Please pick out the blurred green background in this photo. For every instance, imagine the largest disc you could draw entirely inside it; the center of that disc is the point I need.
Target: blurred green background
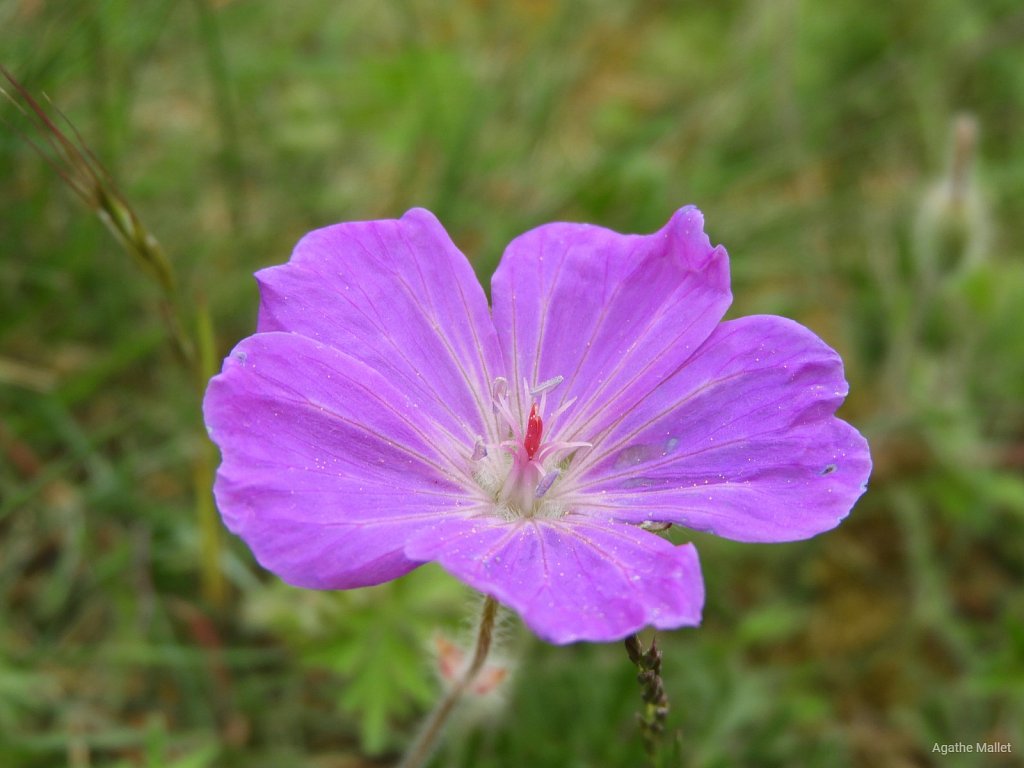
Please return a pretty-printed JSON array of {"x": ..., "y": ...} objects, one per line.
[{"x": 862, "y": 162}]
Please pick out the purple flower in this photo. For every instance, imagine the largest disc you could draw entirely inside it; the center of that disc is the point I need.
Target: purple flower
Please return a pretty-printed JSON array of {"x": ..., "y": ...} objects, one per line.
[{"x": 382, "y": 417}]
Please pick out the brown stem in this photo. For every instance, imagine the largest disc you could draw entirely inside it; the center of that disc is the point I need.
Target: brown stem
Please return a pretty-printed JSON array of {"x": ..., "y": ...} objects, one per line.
[
  {"x": 423, "y": 746},
  {"x": 655, "y": 710}
]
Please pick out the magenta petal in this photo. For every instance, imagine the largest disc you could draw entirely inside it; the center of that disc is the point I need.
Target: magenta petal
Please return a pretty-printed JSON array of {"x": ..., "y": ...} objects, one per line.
[
  {"x": 402, "y": 298},
  {"x": 327, "y": 466},
  {"x": 571, "y": 578},
  {"x": 740, "y": 442},
  {"x": 613, "y": 314},
  {"x": 366, "y": 428}
]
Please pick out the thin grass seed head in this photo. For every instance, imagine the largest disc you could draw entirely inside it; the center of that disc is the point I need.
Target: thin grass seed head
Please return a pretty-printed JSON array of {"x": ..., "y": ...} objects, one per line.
[{"x": 85, "y": 176}]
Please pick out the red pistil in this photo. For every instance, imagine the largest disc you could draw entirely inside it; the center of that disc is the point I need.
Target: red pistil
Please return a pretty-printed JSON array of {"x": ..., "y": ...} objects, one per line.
[{"x": 534, "y": 427}]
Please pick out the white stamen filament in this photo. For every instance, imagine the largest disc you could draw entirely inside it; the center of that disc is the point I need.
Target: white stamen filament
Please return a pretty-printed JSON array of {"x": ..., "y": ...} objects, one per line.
[{"x": 520, "y": 469}]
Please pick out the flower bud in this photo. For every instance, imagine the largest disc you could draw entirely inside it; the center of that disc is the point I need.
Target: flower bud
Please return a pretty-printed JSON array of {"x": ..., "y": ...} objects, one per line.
[{"x": 952, "y": 230}]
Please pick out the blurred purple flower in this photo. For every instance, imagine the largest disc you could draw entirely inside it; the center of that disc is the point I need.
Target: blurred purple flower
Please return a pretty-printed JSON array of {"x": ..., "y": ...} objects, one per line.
[{"x": 381, "y": 417}]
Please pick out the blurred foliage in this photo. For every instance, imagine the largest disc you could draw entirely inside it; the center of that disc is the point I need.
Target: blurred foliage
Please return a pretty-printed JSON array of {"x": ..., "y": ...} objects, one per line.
[{"x": 821, "y": 141}]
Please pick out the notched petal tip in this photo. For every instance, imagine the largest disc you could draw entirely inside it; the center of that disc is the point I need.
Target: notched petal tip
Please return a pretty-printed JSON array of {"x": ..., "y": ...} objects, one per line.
[
  {"x": 754, "y": 452},
  {"x": 692, "y": 245},
  {"x": 398, "y": 295},
  {"x": 571, "y": 580},
  {"x": 326, "y": 465},
  {"x": 422, "y": 216}
]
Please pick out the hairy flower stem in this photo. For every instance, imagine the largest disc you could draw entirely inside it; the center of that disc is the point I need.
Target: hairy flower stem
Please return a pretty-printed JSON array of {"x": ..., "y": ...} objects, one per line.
[
  {"x": 423, "y": 746},
  {"x": 655, "y": 710}
]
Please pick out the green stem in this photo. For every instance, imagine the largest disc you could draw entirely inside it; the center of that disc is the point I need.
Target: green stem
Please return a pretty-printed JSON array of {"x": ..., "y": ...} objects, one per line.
[
  {"x": 212, "y": 575},
  {"x": 423, "y": 746}
]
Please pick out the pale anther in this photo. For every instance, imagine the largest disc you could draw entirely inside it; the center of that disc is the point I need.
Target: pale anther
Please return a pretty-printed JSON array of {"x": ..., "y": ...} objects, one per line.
[
  {"x": 499, "y": 390},
  {"x": 546, "y": 386},
  {"x": 479, "y": 450},
  {"x": 546, "y": 482}
]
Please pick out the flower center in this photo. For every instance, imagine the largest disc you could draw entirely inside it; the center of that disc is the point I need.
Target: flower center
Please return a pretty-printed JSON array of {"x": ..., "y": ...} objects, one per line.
[{"x": 519, "y": 471}]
